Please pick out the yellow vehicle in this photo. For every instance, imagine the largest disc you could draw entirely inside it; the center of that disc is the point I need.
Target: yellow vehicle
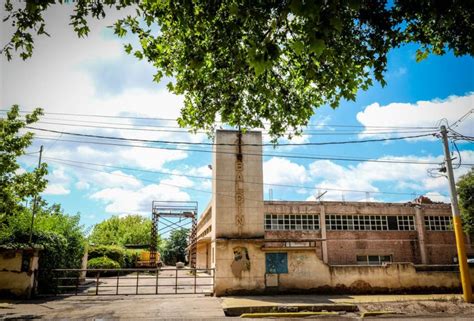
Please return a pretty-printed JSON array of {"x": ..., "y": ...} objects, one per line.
[{"x": 144, "y": 260}]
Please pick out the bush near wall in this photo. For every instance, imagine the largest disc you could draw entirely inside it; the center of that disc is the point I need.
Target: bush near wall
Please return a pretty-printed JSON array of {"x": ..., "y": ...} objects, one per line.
[
  {"x": 102, "y": 263},
  {"x": 124, "y": 258},
  {"x": 57, "y": 252},
  {"x": 113, "y": 252}
]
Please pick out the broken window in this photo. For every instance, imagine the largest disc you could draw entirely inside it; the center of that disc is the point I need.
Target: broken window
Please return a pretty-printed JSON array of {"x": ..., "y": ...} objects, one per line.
[{"x": 285, "y": 222}]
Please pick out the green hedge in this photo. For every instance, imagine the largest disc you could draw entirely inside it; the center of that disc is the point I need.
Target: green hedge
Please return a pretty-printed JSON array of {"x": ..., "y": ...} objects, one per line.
[
  {"x": 113, "y": 252},
  {"x": 125, "y": 258},
  {"x": 102, "y": 263}
]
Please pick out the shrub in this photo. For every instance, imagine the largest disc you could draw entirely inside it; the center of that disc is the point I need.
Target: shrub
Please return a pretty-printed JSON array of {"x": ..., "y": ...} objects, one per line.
[
  {"x": 102, "y": 263},
  {"x": 131, "y": 258},
  {"x": 57, "y": 252},
  {"x": 113, "y": 252}
]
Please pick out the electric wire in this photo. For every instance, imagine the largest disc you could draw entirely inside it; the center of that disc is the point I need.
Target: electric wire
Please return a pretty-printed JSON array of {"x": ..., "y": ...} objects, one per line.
[
  {"x": 174, "y": 120},
  {"x": 222, "y": 179},
  {"x": 307, "y": 156},
  {"x": 166, "y": 129},
  {"x": 230, "y": 144}
]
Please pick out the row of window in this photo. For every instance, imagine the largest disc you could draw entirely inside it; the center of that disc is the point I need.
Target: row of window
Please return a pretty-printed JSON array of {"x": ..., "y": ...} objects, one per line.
[
  {"x": 309, "y": 222},
  {"x": 373, "y": 259},
  {"x": 438, "y": 223},
  {"x": 278, "y": 222},
  {"x": 370, "y": 223}
]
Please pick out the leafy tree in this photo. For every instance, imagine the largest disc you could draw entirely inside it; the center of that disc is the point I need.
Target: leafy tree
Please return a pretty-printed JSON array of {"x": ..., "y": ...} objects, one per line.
[
  {"x": 60, "y": 236},
  {"x": 16, "y": 186},
  {"x": 251, "y": 62},
  {"x": 131, "y": 229},
  {"x": 175, "y": 248},
  {"x": 465, "y": 189}
]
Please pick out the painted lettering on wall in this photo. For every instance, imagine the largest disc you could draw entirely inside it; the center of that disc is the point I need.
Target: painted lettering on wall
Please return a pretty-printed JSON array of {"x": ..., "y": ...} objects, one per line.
[{"x": 239, "y": 188}]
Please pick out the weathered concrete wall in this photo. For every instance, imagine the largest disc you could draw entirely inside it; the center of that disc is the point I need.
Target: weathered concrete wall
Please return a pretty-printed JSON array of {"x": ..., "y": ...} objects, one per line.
[
  {"x": 237, "y": 208},
  {"x": 203, "y": 255},
  {"x": 246, "y": 274},
  {"x": 14, "y": 282},
  {"x": 308, "y": 273}
]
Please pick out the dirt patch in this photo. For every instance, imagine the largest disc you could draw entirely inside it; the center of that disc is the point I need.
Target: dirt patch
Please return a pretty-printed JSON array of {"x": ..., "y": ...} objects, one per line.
[{"x": 422, "y": 308}]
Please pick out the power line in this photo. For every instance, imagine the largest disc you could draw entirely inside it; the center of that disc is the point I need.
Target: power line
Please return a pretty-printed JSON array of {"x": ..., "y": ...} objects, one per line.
[
  {"x": 228, "y": 144},
  {"x": 311, "y": 157},
  {"x": 172, "y": 129},
  {"x": 220, "y": 179},
  {"x": 174, "y": 120},
  {"x": 462, "y": 118}
]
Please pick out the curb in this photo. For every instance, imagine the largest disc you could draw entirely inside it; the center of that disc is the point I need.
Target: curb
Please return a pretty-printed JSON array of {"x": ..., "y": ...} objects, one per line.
[
  {"x": 286, "y": 314},
  {"x": 376, "y": 313},
  {"x": 279, "y": 309}
]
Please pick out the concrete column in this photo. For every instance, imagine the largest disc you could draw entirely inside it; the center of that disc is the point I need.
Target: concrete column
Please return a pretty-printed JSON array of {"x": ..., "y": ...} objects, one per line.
[
  {"x": 322, "y": 226},
  {"x": 420, "y": 229}
]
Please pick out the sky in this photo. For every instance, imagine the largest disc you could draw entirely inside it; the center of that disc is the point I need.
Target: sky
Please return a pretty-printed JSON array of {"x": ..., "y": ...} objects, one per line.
[{"x": 95, "y": 76}]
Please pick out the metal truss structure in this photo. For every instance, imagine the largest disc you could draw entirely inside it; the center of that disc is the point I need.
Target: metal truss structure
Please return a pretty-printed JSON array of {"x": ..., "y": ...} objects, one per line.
[{"x": 173, "y": 215}]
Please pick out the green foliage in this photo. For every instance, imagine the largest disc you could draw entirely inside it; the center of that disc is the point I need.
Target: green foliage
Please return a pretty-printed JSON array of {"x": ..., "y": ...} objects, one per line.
[
  {"x": 102, "y": 263},
  {"x": 17, "y": 186},
  {"x": 59, "y": 235},
  {"x": 265, "y": 61},
  {"x": 112, "y": 252},
  {"x": 125, "y": 258},
  {"x": 131, "y": 229},
  {"x": 465, "y": 189},
  {"x": 130, "y": 258},
  {"x": 175, "y": 248}
]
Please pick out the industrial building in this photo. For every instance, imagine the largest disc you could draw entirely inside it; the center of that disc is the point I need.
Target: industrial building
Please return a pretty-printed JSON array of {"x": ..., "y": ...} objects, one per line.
[{"x": 256, "y": 245}]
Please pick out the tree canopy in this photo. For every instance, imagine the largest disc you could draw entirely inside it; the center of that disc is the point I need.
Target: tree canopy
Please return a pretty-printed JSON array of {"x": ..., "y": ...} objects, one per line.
[
  {"x": 175, "y": 246},
  {"x": 130, "y": 229},
  {"x": 17, "y": 185},
  {"x": 265, "y": 63},
  {"x": 465, "y": 189}
]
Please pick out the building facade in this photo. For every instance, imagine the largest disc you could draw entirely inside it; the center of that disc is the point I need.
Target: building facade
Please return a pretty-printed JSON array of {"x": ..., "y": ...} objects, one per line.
[{"x": 256, "y": 245}]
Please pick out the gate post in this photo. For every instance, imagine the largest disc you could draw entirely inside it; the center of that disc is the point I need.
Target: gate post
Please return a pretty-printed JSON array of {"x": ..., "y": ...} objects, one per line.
[
  {"x": 195, "y": 275},
  {"x": 97, "y": 283},
  {"x": 176, "y": 282}
]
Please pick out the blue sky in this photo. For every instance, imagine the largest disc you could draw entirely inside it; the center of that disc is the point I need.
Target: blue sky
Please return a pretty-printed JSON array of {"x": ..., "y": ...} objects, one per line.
[{"x": 95, "y": 76}]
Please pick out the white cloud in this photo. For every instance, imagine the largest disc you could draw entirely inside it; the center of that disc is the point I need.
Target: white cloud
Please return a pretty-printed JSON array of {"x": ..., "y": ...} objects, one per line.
[
  {"x": 56, "y": 189},
  {"x": 117, "y": 179},
  {"x": 279, "y": 170},
  {"x": 81, "y": 185},
  {"x": 179, "y": 181},
  {"x": 437, "y": 197},
  {"x": 120, "y": 200},
  {"x": 422, "y": 113},
  {"x": 363, "y": 176},
  {"x": 150, "y": 158},
  {"x": 203, "y": 171},
  {"x": 58, "y": 182}
]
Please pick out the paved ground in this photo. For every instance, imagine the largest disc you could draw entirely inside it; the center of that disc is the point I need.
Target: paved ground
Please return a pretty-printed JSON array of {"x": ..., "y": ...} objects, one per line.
[
  {"x": 181, "y": 307},
  {"x": 200, "y": 307}
]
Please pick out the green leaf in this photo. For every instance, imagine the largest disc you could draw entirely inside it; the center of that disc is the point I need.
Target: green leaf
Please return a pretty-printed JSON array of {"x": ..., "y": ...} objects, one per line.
[
  {"x": 298, "y": 46},
  {"x": 336, "y": 23},
  {"x": 128, "y": 48},
  {"x": 421, "y": 55},
  {"x": 317, "y": 46}
]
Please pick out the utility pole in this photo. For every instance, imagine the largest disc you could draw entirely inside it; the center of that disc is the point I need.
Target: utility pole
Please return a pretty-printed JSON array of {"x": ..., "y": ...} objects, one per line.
[
  {"x": 35, "y": 200},
  {"x": 462, "y": 259}
]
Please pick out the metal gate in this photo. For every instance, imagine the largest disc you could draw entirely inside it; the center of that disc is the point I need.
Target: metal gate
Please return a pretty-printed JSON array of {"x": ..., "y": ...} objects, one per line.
[{"x": 126, "y": 281}]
